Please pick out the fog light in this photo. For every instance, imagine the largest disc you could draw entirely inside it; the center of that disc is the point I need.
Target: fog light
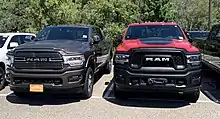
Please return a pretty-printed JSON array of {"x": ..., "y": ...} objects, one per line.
[
  {"x": 25, "y": 81},
  {"x": 196, "y": 80},
  {"x": 135, "y": 82},
  {"x": 143, "y": 83},
  {"x": 134, "y": 65},
  {"x": 75, "y": 78},
  {"x": 180, "y": 66},
  {"x": 57, "y": 81},
  {"x": 180, "y": 82},
  {"x": 17, "y": 81}
]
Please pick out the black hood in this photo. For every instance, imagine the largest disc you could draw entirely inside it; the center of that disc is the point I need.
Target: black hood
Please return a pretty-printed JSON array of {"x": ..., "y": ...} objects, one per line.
[
  {"x": 156, "y": 40},
  {"x": 67, "y": 45}
]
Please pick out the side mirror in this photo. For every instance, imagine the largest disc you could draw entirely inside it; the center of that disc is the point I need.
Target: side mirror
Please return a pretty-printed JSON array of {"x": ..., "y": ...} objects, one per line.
[
  {"x": 119, "y": 38},
  {"x": 97, "y": 38},
  {"x": 189, "y": 37},
  {"x": 13, "y": 45},
  {"x": 32, "y": 37}
]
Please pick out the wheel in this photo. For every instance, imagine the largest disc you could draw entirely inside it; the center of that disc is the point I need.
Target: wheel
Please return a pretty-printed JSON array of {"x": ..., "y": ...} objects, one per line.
[
  {"x": 2, "y": 78},
  {"x": 119, "y": 94},
  {"x": 192, "y": 96},
  {"x": 108, "y": 67},
  {"x": 88, "y": 85}
]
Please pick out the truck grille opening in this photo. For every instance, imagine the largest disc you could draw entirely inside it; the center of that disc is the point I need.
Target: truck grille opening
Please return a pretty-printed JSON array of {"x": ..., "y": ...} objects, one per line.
[
  {"x": 144, "y": 58},
  {"x": 23, "y": 80},
  {"x": 38, "y": 60}
]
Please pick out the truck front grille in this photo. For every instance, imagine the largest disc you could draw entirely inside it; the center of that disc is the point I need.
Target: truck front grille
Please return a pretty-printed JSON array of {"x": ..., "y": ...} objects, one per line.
[
  {"x": 156, "y": 58},
  {"x": 38, "y": 60}
]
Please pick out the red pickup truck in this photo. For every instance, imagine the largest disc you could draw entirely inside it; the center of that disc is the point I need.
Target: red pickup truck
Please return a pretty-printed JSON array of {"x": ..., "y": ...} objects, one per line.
[{"x": 157, "y": 57}]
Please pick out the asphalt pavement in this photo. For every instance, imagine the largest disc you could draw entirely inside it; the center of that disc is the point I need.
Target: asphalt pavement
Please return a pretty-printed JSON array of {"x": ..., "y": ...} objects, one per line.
[{"x": 103, "y": 105}]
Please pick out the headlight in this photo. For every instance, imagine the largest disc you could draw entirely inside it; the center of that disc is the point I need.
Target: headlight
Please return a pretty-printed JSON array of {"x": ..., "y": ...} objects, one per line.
[
  {"x": 74, "y": 60},
  {"x": 10, "y": 60},
  {"x": 121, "y": 58},
  {"x": 194, "y": 60}
]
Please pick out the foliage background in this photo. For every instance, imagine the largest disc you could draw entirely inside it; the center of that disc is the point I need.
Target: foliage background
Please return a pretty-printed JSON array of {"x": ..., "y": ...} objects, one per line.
[{"x": 111, "y": 15}]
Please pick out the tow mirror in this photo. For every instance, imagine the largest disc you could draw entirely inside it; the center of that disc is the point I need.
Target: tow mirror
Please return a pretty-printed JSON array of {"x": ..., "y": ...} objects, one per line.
[
  {"x": 189, "y": 37},
  {"x": 97, "y": 38},
  {"x": 13, "y": 45},
  {"x": 32, "y": 37}
]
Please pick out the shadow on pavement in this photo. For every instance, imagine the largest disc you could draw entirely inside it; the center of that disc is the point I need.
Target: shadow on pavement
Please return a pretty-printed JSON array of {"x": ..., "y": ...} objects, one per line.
[
  {"x": 49, "y": 99},
  {"x": 149, "y": 100},
  {"x": 40, "y": 100},
  {"x": 211, "y": 84}
]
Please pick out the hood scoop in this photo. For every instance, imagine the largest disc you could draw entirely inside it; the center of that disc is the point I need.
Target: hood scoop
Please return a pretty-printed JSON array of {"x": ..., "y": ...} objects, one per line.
[{"x": 156, "y": 41}]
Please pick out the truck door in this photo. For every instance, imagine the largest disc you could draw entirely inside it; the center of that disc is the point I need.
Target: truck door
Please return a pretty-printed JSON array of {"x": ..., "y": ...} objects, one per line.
[
  {"x": 212, "y": 47},
  {"x": 104, "y": 46},
  {"x": 97, "y": 47}
]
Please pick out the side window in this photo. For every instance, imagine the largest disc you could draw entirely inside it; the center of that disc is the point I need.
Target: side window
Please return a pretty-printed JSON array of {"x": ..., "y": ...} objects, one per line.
[
  {"x": 25, "y": 38},
  {"x": 213, "y": 33},
  {"x": 94, "y": 32}
]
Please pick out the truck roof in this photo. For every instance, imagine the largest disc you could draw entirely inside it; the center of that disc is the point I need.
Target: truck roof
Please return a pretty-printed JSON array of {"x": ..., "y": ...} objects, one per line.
[
  {"x": 8, "y": 34},
  {"x": 74, "y": 25},
  {"x": 153, "y": 23}
]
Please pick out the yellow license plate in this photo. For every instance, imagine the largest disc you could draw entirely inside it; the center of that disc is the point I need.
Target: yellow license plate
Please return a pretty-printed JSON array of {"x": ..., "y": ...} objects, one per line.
[{"x": 36, "y": 88}]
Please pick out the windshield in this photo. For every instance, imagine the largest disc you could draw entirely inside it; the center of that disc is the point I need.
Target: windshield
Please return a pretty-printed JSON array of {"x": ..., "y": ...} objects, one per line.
[
  {"x": 198, "y": 34},
  {"x": 2, "y": 40},
  {"x": 149, "y": 31},
  {"x": 63, "y": 33}
]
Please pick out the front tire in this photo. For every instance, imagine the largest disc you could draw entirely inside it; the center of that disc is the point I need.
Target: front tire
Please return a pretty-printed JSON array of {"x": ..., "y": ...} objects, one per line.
[
  {"x": 192, "y": 96},
  {"x": 2, "y": 78},
  {"x": 88, "y": 85},
  {"x": 108, "y": 67}
]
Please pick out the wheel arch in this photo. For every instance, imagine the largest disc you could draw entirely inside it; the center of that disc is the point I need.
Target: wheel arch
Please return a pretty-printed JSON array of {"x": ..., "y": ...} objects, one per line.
[{"x": 91, "y": 62}]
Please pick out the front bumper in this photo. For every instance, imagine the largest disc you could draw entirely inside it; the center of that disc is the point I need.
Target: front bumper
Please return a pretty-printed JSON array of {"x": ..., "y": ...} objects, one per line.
[
  {"x": 66, "y": 82},
  {"x": 128, "y": 81}
]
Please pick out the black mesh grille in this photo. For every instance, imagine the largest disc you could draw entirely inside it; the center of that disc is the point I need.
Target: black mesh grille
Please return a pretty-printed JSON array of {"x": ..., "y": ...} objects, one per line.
[
  {"x": 21, "y": 61},
  {"x": 138, "y": 58}
]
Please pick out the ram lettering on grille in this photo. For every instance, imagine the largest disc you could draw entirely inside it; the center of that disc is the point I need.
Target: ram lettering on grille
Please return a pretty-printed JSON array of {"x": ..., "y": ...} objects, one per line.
[{"x": 158, "y": 59}]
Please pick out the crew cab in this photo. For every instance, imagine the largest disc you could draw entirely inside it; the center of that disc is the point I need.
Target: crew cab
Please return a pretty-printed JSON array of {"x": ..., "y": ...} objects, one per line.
[
  {"x": 156, "y": 57},
  {"x": 197, "y": 38},
  {"x": 210, "y": 49},
  {"x": 61, "y": 59},
  {"x": 8, "y": 41}
]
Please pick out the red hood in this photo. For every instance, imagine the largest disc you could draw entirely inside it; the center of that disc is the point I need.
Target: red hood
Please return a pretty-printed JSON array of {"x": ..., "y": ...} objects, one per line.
[{"x": 126, "y": 45}]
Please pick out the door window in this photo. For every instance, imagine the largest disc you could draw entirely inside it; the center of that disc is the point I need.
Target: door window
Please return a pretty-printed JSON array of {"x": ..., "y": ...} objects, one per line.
[
  {"x": 20, "y": 39},
  {"x": 214, "y": 32},
  {"x": 25, "y": 38}
]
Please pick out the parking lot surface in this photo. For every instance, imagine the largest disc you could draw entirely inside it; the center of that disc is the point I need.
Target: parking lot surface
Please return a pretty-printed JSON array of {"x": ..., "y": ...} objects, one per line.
[{"x": 103, "y": 105}]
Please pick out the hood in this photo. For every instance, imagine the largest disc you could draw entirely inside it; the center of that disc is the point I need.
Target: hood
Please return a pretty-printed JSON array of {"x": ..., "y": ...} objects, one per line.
[
  {"x": 66, "y": 45},
  {"x": 126, "y": 45}
]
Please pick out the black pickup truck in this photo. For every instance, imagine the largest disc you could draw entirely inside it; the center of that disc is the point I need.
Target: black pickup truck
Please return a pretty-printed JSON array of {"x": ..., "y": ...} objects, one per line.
[
  {"x": 210, "y": 48},
  {"x": 62, "y": 59}
]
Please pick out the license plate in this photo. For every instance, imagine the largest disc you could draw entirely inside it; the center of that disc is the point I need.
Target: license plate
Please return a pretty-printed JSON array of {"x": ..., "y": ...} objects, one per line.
[{"x": 36, "y": 88}]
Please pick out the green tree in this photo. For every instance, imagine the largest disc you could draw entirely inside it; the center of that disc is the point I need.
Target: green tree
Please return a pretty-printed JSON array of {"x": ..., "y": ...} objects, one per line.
[{"x": 13, "y": 15}]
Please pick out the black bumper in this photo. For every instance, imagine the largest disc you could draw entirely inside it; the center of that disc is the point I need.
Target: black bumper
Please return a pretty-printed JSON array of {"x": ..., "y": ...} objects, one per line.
[
  {"x": 127, "y": 81},
  {"x": 66, "y": 82}
]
